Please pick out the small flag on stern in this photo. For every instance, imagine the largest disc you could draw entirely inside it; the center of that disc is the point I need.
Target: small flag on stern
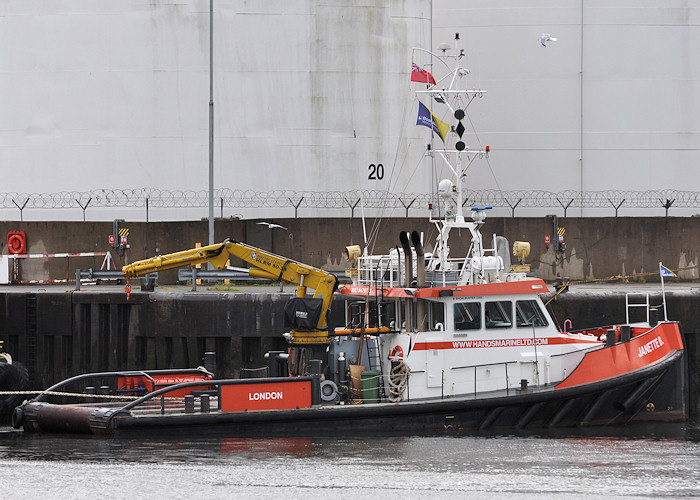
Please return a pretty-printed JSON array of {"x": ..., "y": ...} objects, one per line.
[
  {"x": 420, "y": 75},
  {"x": 666, "y": 272},
  {"x": 427, "y": 119}
]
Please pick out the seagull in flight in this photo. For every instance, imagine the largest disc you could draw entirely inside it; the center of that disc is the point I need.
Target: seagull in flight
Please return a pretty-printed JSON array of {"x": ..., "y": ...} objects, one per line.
[
  {"x": 546, "y": 37},
  {"x": 272, "y": 226}
]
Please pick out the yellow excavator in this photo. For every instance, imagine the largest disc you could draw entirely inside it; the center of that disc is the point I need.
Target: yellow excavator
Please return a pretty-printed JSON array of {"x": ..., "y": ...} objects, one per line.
[{"x": 306, "y": 315}]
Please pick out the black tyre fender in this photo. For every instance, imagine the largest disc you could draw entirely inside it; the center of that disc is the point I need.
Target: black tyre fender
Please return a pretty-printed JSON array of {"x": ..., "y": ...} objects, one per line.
[{"x": 13, "y": 377}]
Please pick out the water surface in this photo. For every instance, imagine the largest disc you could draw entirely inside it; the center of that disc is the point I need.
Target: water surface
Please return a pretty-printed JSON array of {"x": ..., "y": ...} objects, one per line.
[{"x": 643, "y": 462}]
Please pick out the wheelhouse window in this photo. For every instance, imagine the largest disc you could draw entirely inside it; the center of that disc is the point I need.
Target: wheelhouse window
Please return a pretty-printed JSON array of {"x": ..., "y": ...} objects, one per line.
[
  {"x": 436, "y": 315},
  {"x": 467, "y": 315},
  {"x": 528, "y": 313},
  {"x": 498, "y": 314}
]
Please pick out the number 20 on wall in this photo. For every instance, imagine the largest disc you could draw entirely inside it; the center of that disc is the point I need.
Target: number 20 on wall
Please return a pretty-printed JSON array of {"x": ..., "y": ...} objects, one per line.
[{"x": 376, "y": 172}]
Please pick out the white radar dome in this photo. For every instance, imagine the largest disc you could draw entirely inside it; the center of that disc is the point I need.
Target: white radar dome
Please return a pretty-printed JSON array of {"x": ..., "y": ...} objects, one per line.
[{"x": 445, "y": 188}]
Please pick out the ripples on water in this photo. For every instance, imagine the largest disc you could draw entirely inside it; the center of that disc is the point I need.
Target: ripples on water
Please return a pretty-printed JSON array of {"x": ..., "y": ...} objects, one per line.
[{"x": 653, "y": 461}]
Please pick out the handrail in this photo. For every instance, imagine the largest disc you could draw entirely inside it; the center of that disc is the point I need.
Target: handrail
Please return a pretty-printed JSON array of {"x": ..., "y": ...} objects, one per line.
[
  {"x": 485, "y": 364},
  {"x": 628, "y": 305},
  {"x": 130, "y": 373},
  {"x": 371, "y": 267},
  {"x": 475, "y": 367}
]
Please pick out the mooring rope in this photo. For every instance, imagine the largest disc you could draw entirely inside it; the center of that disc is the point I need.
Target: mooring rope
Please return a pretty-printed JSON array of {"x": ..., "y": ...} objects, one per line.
[
  {"x": 398, "y": 380},
  {"x": 566, "y": 284}
]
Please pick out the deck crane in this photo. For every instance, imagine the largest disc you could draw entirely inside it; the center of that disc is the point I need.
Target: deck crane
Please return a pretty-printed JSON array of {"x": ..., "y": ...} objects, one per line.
[{"x": 306, "y": 315}]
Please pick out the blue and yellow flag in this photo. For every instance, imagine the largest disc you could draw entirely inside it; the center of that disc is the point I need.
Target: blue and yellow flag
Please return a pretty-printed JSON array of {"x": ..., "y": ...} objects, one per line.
[
  {"x": 666, "y": 272},
  {"x": 427, "y": 118}
]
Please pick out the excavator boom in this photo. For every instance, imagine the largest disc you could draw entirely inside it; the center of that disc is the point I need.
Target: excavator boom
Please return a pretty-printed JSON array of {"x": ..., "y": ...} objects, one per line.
[
  {"x": 268, "y": 266},
  {"x": 202, "y": 255}
]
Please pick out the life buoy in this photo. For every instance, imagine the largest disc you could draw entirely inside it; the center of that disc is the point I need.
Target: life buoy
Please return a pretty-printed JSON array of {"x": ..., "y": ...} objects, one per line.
[
  {"x": 16, "y": 243},
  {"x": 396, "y": 353}
]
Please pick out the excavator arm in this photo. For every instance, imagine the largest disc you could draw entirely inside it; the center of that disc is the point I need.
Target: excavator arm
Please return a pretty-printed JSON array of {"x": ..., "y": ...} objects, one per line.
[{"x": 267, "y": 265}]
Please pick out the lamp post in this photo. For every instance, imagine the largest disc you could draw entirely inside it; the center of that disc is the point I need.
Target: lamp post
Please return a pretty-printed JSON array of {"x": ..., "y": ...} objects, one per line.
[{"x": 211, "y": 122}]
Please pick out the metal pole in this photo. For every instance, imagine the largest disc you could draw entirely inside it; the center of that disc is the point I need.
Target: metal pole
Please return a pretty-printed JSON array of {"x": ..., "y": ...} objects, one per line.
[
  {"x": 663, "y": 291},
  {"x": 581, "y": 106},
  {"x": 211, "y": 123}
]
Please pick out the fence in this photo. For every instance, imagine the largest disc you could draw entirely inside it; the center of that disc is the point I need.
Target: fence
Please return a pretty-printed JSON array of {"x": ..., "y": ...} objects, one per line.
[{"x": 348, "y": 200}]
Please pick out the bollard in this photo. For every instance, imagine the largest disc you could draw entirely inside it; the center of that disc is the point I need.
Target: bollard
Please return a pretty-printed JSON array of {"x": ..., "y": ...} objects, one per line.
[
  {"x": 204, "y": 406},
  {"x": 89, "y": 390},
  {"x": 625, "y": 333},
  {"x": 315, "y": 372},
  {"x": 610, "y": 337},
  {"x": 274, "y": 365},
  {"x": 523, "y": 384},
  {"x": 189, "y": 403},
  {"x": 653, "y": 317},
  {"x": 210, "y": 362}
]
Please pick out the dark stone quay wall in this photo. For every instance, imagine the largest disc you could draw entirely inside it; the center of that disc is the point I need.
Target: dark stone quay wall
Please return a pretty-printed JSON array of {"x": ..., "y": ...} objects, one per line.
[{"x": 58, "y": 334}]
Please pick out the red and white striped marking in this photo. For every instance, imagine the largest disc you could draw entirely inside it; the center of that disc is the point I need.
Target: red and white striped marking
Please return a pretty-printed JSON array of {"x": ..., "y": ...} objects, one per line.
[
  {"x": 45, "y": 255},
  {"x": 43, "y": 282}
]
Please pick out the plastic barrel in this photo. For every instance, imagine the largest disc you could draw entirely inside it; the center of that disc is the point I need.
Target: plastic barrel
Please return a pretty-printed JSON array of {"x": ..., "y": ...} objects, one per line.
[{"x": 370, "y": 386}]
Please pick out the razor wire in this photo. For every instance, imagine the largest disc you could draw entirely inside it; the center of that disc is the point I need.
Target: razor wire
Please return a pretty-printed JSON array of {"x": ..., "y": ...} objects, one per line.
[{"x": 246, "y": 198}]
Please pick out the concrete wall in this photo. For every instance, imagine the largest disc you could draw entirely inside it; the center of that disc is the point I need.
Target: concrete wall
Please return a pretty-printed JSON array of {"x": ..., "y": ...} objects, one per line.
[
  {"x": 595, "y": 247},
  {"x": 577, "y": 114},
  {"x": 309, "y": 94},
  {"x": 299, "y": 88}
]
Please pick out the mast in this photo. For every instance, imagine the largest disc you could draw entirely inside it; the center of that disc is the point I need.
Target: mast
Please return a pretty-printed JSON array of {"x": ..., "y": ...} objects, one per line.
[{"x": 451, "y": 91}]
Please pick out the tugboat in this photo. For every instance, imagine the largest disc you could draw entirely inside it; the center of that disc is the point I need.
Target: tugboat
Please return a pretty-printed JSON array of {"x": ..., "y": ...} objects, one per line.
[{"x": 431, "y": 343}]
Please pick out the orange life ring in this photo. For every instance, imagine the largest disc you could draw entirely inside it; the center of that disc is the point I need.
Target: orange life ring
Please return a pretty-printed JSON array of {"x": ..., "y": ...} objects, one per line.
[
  {"x": 16, "y": 243},
  {"x": 396, "y": 353}
]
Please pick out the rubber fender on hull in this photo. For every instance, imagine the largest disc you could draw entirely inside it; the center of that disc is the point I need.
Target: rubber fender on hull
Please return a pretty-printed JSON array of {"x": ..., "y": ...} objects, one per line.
[
  {"x": 38, "y": 416},
  {"x": 45, "y": 417},
  {"x": 13, "y": 377}
]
